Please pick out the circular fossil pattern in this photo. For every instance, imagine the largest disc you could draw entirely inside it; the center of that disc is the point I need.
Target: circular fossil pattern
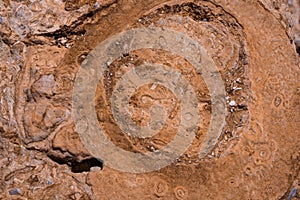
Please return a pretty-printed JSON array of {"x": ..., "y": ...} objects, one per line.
[
  {"x": 181, "y": 192},
  {"x": 91, "y": 71},
  {"x": 160, "y": 187},
  {"x": 247, "y": 149},
  {"x": 202, "y": 118}
]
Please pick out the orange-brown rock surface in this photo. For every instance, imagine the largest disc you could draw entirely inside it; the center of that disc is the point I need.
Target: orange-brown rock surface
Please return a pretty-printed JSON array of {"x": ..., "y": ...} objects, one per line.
[{"x": 250, "y": 45}]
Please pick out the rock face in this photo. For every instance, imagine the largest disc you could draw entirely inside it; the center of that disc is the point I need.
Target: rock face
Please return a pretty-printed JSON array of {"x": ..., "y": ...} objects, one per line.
[{"x": 251, "y": 46}]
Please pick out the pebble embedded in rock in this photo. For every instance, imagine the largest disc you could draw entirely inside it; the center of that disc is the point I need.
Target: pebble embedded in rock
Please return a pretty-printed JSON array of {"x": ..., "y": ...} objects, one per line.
[
  {"x": 232, "y": 103},
  {"x": 14, "y": 191}
]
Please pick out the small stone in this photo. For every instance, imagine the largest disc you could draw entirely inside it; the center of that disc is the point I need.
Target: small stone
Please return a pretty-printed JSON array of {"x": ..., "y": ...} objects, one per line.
[
  {"x": 49, "y": 182},
  {"x": 152, "y": 148},
  {"x": 232, "y": 103},
  {"x": 108, "y": 63},
  {"x": 292, "y": 193},
  {"x": 239, "y": 80},
  {"x": 96, "y": 5},
  {"x": 15, "y": 191},
  {"x": 95, "y": 169},
  {"x": 2, "y": 20},
  {"x": 63, "y": 40}
]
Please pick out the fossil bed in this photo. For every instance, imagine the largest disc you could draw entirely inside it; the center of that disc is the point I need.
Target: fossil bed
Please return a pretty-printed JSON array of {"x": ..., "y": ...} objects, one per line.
[{"x": 253, "y": 44}]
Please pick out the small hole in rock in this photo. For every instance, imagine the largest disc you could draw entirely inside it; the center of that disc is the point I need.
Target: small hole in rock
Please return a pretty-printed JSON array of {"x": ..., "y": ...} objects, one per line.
[
  {"x": 78, "y": 166},
  {"x": 86, "y": 165},
  {"x": 297, "y": 44},
  {"x": 298, "y": 49}
]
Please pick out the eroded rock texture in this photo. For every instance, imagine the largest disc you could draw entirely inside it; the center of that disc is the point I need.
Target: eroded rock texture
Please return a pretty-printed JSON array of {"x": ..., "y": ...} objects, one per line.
[{"x": 254, "y": 46}]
